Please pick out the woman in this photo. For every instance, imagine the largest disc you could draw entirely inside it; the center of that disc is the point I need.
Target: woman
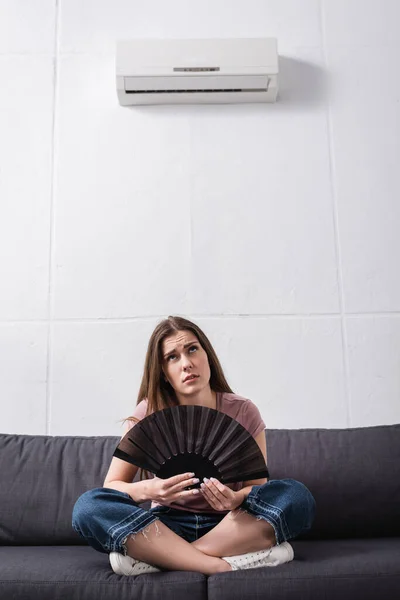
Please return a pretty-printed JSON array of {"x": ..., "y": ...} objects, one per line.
[{"x": 217, "y": 528}]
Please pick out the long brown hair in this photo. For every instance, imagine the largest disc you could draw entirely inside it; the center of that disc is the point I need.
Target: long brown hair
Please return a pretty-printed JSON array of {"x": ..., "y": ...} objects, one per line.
[{"x": 159, "y": 393}]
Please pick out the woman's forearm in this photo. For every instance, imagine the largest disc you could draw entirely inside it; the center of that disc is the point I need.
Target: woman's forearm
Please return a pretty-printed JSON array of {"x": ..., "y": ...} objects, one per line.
[{"x": 138, "y": 490}]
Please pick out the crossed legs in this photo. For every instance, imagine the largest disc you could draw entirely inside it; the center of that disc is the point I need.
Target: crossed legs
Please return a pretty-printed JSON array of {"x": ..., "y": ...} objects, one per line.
[{"x": 237, "y": 533}]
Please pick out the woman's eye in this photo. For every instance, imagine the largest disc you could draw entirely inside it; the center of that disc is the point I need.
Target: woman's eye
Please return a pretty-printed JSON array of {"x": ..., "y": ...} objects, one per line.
[{"x": 191, "y": 347}]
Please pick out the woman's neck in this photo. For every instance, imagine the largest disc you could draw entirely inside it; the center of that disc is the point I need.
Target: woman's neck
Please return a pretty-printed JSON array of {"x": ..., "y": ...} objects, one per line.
[{"x": 209, "y": 400}]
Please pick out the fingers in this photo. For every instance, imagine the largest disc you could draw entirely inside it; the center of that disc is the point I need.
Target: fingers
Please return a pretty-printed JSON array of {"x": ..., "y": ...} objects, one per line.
[
  {"x": 218, "y": 488},
  {"x": 212, "y": 490},
  {"x": 181, "y": 481},
  {"x": 173, "y": 487},
  {"x": 215, "y": 487},
  {"x": 176, "y": 480}
]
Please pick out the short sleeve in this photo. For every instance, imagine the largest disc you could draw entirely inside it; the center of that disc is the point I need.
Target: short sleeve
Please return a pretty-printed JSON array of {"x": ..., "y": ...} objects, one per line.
[
  {"x": 253, "y": 420},
  {"x": 139, "y": 413}
]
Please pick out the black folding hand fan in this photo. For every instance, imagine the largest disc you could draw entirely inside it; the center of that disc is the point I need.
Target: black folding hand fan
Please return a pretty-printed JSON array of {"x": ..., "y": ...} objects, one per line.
[{"x": 193, "y": 439}]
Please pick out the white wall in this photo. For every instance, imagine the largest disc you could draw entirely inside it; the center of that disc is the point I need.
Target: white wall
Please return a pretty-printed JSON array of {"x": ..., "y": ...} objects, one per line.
[{"x": 274, "y": 227}]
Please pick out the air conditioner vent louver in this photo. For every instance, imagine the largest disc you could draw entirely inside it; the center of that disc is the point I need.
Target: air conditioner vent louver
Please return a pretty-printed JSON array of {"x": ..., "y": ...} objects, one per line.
[{"x": 191, "y": 91}]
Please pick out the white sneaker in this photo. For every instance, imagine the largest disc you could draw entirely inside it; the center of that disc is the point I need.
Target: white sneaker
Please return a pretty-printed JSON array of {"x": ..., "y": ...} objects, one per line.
[
  {"x": 272, "y": 557},
  {"x": 126, "y": 565}
]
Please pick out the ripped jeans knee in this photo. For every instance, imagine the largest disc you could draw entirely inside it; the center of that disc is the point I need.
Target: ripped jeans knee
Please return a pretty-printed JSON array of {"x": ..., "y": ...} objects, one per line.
[
  {"x": 238, "y": 511},
  {"x": 143, "y": 531}
]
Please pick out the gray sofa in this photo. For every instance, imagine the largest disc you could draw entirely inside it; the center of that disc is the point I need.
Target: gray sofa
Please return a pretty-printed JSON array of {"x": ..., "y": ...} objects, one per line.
[{"x": 352, "y": 551}]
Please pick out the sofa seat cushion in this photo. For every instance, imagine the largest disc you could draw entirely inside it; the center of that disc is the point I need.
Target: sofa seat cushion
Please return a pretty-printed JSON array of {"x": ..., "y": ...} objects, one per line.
[
  {"x": 331, "y": 569},
  {"x": 328, "y": 569},
  {"x": 77, "y": 572}
]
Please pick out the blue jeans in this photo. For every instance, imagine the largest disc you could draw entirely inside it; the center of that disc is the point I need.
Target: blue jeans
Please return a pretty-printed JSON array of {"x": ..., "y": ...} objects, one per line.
[{"x": 105, "y": 518}]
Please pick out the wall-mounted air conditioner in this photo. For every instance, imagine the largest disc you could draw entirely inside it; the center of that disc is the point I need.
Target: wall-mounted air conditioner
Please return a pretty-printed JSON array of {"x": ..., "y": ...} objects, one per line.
[{"x": 155, "y": 71}]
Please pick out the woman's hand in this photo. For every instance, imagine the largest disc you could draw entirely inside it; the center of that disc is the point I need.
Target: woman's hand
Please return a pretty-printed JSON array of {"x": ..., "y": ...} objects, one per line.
[
  {"x": 167, "y": 491},
  {"x": 219, "y": 495}
]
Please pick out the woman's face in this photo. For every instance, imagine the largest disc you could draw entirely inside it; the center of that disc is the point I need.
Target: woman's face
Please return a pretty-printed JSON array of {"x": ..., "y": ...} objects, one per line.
[{"x": 179, "y": 361}]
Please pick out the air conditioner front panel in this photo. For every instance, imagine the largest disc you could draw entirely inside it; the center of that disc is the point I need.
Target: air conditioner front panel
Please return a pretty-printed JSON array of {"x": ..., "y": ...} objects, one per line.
[
  {"x": 167, "y": 53},
  {"x": 197, "y": 71}
]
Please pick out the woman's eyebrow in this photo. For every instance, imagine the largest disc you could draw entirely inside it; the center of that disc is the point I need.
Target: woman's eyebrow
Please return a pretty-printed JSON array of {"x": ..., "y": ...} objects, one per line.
[{"x": 174, "y": 350}]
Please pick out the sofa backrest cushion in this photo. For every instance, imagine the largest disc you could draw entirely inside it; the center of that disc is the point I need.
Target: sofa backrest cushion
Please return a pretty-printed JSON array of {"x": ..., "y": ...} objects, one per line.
[{"x": 353, "y": 474}]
